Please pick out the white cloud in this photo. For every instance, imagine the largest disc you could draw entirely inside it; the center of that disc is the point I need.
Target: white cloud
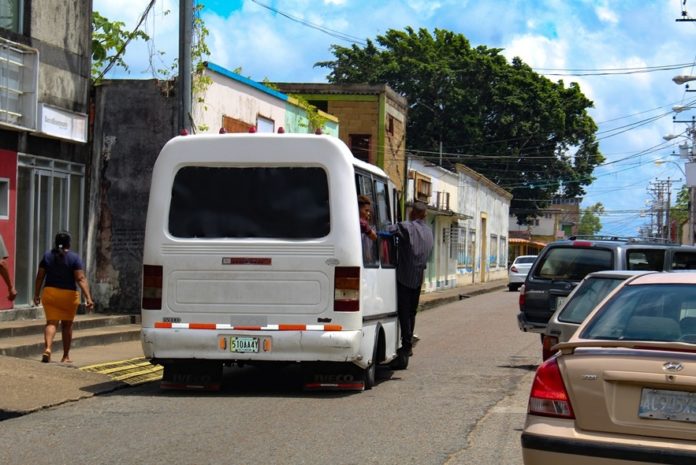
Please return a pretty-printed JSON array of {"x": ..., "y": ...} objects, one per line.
[
  {"x": 424, "y": 8},
  {"x": 537, "y": 51},
  {"x": 606, "y": 15},
  {"x": 560, "y": 34}
]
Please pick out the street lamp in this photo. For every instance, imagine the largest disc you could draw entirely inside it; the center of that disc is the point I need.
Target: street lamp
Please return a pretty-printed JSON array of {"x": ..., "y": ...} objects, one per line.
[
  {"x": 683, "y": 79},
  {"x": 680, "y": 108},
  {"x": 662, "y": 162}
]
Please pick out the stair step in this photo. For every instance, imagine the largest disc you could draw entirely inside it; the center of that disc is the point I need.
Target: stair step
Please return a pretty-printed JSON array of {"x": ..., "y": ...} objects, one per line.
[
  {"x": 17, "y": 328},
  {"x": 31, "y": 345}
]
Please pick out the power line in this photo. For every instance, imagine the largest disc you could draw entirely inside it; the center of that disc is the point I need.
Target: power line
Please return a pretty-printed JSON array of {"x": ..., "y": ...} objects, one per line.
[
  {"x": 325, "y": 30},
  {"x": 610, "y": 71}
]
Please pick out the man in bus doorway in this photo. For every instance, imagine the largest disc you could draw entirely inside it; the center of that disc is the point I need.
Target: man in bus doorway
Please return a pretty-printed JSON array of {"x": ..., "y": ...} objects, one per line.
[{"x": 415, "y": 246}]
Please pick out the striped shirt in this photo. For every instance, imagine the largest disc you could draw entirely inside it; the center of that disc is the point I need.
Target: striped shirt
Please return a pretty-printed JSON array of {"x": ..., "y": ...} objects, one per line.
[{"x": 415, "y": 245}]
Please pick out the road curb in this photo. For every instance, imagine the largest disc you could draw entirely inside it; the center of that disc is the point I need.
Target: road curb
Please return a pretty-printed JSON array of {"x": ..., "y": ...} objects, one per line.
[{"x": 463, "y": 293}]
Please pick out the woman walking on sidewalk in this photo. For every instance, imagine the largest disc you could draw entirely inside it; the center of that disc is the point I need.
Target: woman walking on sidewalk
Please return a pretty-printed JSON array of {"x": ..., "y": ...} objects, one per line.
[{"x": 63, "y": 272}]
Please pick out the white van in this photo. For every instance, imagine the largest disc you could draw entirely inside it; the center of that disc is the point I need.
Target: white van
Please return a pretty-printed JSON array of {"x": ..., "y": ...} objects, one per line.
[{"x": 253, "y": 254}]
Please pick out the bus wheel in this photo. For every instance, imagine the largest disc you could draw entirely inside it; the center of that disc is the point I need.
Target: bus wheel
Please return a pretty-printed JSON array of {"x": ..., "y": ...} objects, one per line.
[{"x": 370, "y": 372}]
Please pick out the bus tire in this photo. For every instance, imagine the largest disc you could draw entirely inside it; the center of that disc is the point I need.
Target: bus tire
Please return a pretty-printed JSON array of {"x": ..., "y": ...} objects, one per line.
[{"x": 370, "y": 373}]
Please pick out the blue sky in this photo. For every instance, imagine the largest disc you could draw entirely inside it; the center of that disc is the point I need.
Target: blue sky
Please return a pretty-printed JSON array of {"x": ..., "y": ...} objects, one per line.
[{"x": 584, "y": 41}]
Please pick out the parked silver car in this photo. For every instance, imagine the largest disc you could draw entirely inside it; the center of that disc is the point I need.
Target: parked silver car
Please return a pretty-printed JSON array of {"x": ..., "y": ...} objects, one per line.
[
  {"x": 573, "y": 309},
  {"x": 518, "y": 271}
]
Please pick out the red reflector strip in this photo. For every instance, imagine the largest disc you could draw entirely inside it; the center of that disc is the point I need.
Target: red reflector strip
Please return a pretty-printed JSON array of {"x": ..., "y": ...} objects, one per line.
[
  {"x": 202, "y": 326},
  {"x": 213, "y": 326},
  {"x": 292, "y": 327}
]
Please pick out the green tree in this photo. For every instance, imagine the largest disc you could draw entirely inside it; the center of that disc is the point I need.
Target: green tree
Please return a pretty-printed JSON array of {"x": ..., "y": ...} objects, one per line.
[
  {"x": 526, "y": 133},
  {"x": 109, "y": 41},
  {"x": 589, "y": 221},
  {"x": 679, "y": 213}
]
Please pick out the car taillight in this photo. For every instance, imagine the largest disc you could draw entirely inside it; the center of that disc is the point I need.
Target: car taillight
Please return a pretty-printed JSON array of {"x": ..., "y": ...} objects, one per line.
[
  {"x": 522, "y": 298},
  {"x": 513, "y": 268},
  {"x": 549, "y": 396},
  {"x": 152, "y": 287},
  {"x": 546, "y": 343},
  {"x": 347, "y": 289}
]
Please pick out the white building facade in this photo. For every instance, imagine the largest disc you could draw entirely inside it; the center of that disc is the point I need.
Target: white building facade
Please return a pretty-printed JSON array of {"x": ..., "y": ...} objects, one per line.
[
  {"x": 481, "y": 238},
  {"x": 468, "y": 215}
]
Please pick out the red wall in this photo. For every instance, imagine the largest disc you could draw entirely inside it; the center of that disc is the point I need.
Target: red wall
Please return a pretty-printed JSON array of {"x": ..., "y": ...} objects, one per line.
[{"x": 8, "y": 169}]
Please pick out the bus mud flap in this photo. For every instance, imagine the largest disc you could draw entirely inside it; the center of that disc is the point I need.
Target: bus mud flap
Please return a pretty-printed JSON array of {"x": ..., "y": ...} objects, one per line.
[
  {"x": 198, "y": 375},
  {"x": 333, "y": 377}
]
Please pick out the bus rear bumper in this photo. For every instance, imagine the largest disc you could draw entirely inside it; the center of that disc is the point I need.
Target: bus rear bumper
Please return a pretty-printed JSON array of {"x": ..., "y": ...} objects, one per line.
[{"x": 269, "y": 346}]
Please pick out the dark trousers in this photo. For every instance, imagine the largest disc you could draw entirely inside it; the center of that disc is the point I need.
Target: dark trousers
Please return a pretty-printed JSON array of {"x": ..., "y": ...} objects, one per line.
[{"x": 407, "y": 306}]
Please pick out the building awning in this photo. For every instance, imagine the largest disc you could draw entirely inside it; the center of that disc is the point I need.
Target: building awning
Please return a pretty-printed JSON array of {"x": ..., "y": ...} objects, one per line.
[
  {"x": 526, "y": 241},
  {"x": 440, "y": 212}
]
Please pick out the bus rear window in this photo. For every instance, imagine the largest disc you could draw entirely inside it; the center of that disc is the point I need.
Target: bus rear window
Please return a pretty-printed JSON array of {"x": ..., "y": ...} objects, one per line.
[{"x": 226, "y": 202}]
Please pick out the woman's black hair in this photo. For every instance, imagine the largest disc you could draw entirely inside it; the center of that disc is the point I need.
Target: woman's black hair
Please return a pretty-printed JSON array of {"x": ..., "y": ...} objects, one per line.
[{"x": 62, "y": 241}]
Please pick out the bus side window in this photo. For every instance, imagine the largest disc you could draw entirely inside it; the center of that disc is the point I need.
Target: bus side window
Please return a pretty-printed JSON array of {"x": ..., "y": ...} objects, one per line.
[
  {"x": 366, "y": 186},
  {"x": 387, "y": 251}
]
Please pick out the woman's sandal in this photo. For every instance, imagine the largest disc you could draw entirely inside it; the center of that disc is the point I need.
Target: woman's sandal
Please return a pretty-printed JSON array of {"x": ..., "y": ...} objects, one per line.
[{"x": 46, "y": 357}]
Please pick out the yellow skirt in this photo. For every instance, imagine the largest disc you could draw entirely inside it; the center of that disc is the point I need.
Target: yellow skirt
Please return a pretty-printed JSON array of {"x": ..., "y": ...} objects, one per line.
[{"x": 60, "y": 304}]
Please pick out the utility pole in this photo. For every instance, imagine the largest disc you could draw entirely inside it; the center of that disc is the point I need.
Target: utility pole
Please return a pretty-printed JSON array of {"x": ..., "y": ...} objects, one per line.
[
  {"x": 686, "y": 152},
  {"x": 662, "y": 190},
  {"x": 185, "y": 40}
]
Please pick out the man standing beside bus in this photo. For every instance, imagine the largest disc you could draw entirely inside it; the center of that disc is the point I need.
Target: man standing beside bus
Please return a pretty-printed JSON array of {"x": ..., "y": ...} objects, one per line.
[{"x": 415, "y": 246}]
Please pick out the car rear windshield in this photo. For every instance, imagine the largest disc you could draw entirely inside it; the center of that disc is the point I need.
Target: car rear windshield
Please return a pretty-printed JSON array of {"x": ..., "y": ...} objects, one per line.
[
  {"x": 586, "y": 297},
  {"x": 525, "y": 259},
  {"x": 684, "y": 261},
  {"x": 645, "y": 259},
  {"x": 573, "y": 263},
  {"x": 258, "y": 202},
  {"x": 648, "y": 312}
]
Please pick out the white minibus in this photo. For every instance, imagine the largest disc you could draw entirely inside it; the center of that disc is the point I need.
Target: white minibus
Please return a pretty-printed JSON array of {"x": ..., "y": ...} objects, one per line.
[{"x": 253, "y": 254}]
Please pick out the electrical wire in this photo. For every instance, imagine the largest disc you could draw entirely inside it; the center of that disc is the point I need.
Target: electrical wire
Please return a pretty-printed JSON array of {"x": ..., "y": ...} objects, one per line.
[{"x": 332, "y": 32}]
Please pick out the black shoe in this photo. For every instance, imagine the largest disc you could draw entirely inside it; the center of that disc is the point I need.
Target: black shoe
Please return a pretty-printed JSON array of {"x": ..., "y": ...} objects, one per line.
[{"x": 401, "y": 360}]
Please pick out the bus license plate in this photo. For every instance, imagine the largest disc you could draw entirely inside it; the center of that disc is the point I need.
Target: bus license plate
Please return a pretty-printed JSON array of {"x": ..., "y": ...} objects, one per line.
[
  {"x": 244, "y": 344},
  {"x": 660, "y": 404}
]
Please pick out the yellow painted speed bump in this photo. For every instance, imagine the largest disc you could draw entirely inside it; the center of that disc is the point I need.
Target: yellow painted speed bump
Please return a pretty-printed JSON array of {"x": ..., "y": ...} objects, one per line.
[{"x": 133, "y": 371}]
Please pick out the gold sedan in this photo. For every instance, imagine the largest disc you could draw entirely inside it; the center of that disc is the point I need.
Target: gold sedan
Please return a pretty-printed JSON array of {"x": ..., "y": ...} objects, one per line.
[{"x": 622, "y": 390}]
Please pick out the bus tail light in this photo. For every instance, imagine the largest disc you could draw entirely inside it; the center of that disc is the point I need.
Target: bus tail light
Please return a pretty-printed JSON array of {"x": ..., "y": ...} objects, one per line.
[
  {"x": 152, "y": 287},
  {"x": 347, "y": 289}
]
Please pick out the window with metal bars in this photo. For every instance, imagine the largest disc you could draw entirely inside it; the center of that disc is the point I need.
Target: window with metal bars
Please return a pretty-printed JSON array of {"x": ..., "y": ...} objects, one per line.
[{"x": 18, "y": 84}]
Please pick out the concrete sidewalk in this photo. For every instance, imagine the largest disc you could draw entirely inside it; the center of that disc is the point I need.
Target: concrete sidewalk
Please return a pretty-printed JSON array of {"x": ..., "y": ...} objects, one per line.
[{"x": 27, "y": 385}]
